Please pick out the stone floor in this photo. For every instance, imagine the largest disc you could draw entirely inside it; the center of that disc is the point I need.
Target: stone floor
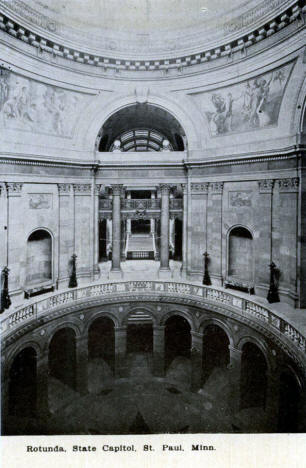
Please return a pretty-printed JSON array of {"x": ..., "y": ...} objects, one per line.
[{"x": 142, "y": 404}]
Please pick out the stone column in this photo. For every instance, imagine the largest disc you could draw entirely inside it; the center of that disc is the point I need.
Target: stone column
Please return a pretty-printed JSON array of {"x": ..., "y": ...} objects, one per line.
[
  {"x": 96, "y": 269},
  {"x": 128, "y": 221},
  {"x": 159, "y": 351},
  {"x": 185, "y": 207},
  {"x": 42, "y": 406},
  {"x": 82, "y": 365},
  {"x": 234, "y": 368},
  {"x": 214, "y": 234},
  {"x": 116, "y": 228},
  {"x": 196, "y": 360},
  {"x": 152, "y": 220},
  {"x": 264, "y": 241},
  {"x": 120, "y": 352},
  {"x": 164, "y": 271}
]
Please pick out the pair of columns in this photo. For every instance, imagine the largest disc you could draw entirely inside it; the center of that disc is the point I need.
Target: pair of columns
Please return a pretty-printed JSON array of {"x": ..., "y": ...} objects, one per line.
[{"x": 116, "y": 231}]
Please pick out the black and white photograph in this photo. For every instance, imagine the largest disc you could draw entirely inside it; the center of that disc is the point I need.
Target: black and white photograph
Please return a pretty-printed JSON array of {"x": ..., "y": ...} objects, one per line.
[{"x": 147, "y": 294}]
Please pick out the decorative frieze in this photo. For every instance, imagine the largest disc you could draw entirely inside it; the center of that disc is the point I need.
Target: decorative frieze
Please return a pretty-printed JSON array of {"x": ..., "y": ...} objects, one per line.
[
  {"x": 13, "y": 189},
  {"x": 82, "y": 189},
  {"x": 216, "y": 187},
  {"x": 289, "y": 185},
  {"x": 266, "y": 185},
  {"x": 199, "y": 188}
]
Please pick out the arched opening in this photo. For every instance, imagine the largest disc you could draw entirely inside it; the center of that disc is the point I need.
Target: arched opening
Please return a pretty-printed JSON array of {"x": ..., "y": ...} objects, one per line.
[
  {"x": 253, "y": 383},
  {"x": 39, "y": 257},
  {"x": 101, "y": 341},
  {"x": 23, "y": 384},
  {"x": 62, "y": 357},
  {"x": 289, "y": 396},
  {"x": 240, "y": 254},
  {"x": 215, "y": 350},
  {"x": 142, "y": 127},
  {"x": 177, "y": 338},
  {"x": 139, "y": 343}
]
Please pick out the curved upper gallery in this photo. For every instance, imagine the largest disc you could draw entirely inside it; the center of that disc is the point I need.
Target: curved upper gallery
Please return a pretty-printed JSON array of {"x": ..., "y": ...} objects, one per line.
[{"x": 150, "y": 37}]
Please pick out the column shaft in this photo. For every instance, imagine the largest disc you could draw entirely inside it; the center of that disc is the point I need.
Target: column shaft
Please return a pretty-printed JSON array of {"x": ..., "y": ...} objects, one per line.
[
  {"x": 116, "y": 228},
  {"x": 164, "y": 244},
  {"x": 82, "y": 365},
  {"x": 42, "y": 406},
  {"x": 234, "y": 376},
  {"x": 196, "y": 361}
]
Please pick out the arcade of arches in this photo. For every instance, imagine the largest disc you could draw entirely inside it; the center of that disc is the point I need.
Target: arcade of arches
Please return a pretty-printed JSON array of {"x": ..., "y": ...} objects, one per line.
[{"x": 169, "y": 169}]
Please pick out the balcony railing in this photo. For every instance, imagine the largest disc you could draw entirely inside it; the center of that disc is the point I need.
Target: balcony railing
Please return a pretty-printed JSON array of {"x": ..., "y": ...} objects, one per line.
[
  {"x": 144, "y": 204},
  {"x": 201, "y": 294}
]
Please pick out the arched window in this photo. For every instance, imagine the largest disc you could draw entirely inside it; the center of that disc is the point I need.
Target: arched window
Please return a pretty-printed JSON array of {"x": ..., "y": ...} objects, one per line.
[
  {"x": 240, "y": 254},
  {"x": 39, "y": 257}
]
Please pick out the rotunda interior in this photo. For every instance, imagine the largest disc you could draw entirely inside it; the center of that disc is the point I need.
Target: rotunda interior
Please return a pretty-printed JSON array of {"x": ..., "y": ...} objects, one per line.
[{"x": 152, "y": 217}]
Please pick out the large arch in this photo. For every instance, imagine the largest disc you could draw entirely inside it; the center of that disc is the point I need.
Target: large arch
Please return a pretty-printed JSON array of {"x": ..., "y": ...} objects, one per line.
[
  {"x": 177, "y": 338},
  {"x": 216, "y": 352},
  {"x": 101, "y": 340},
  {"x": 253, "y": 382},
  {"x": 99, "y": 111}
]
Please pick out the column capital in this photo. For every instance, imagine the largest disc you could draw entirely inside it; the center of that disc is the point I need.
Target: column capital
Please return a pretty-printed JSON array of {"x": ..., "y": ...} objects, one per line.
[
  {"x": 289, "y": 185},
  {"x": 216, "y": 187},
  {"x": 63, "y": 189},
  {"x": 195, "y": 334},
  {"x": 266, "y": 185},
  {"x": 13, "y": 189},
  {"x": 184, "y": 188},
  {"x": 160, "y": 328},
  {"x": 120, "y": 329},
  {"x": 199, "y": 188},
  {"x": 117, "y": 189},
  {"x": 164, "y": 189},
  {"x": 235, "y": 352},
  {"x": 98, "y": 189}
]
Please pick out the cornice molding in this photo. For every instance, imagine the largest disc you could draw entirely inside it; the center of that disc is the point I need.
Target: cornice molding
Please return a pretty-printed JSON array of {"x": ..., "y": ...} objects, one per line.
[{"x": 240, "y": 44}]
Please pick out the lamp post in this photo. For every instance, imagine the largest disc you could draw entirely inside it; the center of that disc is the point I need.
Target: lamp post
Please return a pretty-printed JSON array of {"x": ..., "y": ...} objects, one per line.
[
  {"x": 73, "y": 279},
  {"x": 5, "y": 300},
  {"x": 273, "y": 288},
  {"x": 206, "y": 277}
]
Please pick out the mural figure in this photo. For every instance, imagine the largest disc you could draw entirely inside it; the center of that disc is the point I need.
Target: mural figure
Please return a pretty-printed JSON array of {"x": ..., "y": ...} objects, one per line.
[
  {"x": 254, "y": 105},
  {"x": 29, "y": 105}
]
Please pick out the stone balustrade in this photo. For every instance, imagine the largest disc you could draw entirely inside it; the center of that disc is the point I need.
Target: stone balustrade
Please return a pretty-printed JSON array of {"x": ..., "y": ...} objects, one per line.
[{"x": 201, "y": 294}]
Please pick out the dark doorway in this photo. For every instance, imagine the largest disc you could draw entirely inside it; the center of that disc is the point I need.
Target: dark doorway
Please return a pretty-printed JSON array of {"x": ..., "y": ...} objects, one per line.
[
  {"x": 178, "y": 239},
  {"x": 101, "y": 340},
  {"x": 215, "y": 350},
  {"x": 102, "y": 240},
  {"x": 288, "y": 403},
  {"x": 140, "y": 194},
  {"x": 62, "y": 357},
  {"x": 39, "y": 257},
  {"x": 140, "y": 226},
  {"x": 253, "y": 377},
  {"x": 140, "y": 338},
  {"x": 23, "y": 384},
  {"x": 240, "y": 255},
  {"x": 177, "y": 338}
]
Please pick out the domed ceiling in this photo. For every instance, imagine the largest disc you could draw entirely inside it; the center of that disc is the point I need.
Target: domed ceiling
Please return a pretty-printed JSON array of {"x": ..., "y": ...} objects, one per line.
[{"x": 142, "y": 28}]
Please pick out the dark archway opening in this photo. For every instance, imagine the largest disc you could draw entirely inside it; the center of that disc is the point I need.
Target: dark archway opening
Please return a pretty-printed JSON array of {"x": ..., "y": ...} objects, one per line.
[
  {"x": 140, "y": 338},
  {"x": 178, "y": 248},
  {"x": 39, "y": 257},
  {"x": 142, "y": 127},
  {"x": 215, "y": 350},
  {"x": 289, "y": 397},
  {"x": 177, "y": 338},
  {"x": 253, "y": 377},
  {"x": 23, "y": 384},
  {"x": 101, "y": 341},
  {"x": 62, "y": 357},
  {"x": 102, "y": 240}
]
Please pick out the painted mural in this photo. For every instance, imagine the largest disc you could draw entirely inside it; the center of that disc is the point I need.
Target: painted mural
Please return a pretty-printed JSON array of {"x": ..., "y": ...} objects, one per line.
[
  {"x": 29, "y": 105},
  {"x": 251, "y": 105}
]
